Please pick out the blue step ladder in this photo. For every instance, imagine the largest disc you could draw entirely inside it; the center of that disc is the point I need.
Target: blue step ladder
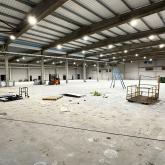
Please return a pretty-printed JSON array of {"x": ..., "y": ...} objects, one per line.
[{"x": 116, "y": 75}]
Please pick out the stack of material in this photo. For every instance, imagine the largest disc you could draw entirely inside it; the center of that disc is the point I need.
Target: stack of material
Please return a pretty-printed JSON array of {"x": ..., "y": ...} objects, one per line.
[{"x": 52, "y": 98}]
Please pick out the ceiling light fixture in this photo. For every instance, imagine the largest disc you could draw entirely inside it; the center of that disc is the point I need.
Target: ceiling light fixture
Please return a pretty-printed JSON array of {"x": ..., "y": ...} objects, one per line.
[
  {"x": 23, "y": 58},
  {"x": 134, "y": 22},
  {"x": 150, "y": 59},
  {"x": 144, "y": 57},
  {"x": 110, "y": 46},
  {"x": 83, "y": 52},
  {"x": 17, "y": 60},
  {"x": 53, "y": 63},
  {"x": 125, "y": 51},
  {"x": 151, "y": 37},
  {"x": 161, "y": 46},
  {"x": 85, "y": 38},
  {"x": 114, "y": 58},
  {"x": 12, "y": 37},
  {"x": 101, "y": 55},
  {"x": 59, "y": 46},
  {"x": 32, "y": 20},
  {"x": 136, "y": 55}
]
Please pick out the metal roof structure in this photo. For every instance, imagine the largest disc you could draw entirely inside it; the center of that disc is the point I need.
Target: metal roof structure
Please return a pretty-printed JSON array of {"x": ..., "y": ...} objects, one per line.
[{"x": 106, "y": 24}]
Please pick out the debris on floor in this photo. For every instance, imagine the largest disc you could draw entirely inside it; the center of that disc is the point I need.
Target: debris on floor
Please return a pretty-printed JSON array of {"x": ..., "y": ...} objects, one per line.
[
  {"x": 96, "y": 93},
  {"x": 93, "y": 139},
  {"x": 73, "y": 95},
  {"x": 64, "y": 109},
  {"x": 105, "y": 96},
  {"x": 10, "y": 97},
  {"x": 3, "y": 113},
  {"x": 52, "y": 98},
  {"x": 111, "y": 154},
  {"x": 40, "y": 163}
]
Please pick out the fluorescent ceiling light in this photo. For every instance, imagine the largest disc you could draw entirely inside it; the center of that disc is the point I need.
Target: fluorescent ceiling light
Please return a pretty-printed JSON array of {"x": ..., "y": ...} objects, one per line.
[{"x": 125, "y": 51}]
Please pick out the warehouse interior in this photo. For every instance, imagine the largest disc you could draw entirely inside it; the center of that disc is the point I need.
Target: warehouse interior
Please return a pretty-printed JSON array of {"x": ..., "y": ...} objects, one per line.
[{"x": 82, "y": 82}]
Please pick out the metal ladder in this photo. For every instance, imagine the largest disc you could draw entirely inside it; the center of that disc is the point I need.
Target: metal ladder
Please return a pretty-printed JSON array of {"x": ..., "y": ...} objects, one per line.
[{"x": 116, "y": 75}]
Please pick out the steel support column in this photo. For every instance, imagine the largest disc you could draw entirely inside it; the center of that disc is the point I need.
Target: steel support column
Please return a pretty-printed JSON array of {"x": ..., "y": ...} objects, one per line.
[
  {"x": 67, "y": 70},
  {"x": 42, "y": 69},
  {"x": 97, "y": 71},
  {"x": 84, "y": 71}
]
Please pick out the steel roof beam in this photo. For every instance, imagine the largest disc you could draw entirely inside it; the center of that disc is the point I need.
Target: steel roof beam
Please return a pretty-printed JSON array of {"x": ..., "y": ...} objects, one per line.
[
  {"x": 120, "y": 39},
  {"x": 109, "y": 23},
  {"x": 127, "y": 47},
  {"x": 43, "y": 9}
]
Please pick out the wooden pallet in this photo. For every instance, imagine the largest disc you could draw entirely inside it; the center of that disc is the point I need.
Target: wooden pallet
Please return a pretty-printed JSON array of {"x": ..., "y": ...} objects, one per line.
[{"x": 52, "y": 98}]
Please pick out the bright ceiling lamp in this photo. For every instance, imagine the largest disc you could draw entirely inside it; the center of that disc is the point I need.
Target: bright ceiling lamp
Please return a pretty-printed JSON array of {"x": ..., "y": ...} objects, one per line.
[
  {"x": 32, "y": 20},
  {"x": 125, "y": 51},
  {"x": 85, "y": 38},
  {"x": 151, "y": 37},
  {"x": 134, "y": 22},
  {"x": 101, "y": 55},
  {"x": 94, "y": 65},
  {"x": 59, "y": 46},
  {"x": 114, "y": 58},
  {"x": 17, "y": 60},
  {"x": 136, "y": 55},
  {"x": 53, "y": 63},
  {"x": 150, "y": 59},
  {"x": 83, "y": 52},
  {"x": 161, "y": 46},
  {"x": 110, "y": 46},
  {"x": 12, "y": 37},
  {"x": 144, "y": 57},
  {"x": 74, "y": 63},
  {"x": 23, "y": 58}
]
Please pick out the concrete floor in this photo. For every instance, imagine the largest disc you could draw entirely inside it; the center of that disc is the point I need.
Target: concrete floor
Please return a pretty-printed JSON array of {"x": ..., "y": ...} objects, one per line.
[{"x": 85, "y": 131}]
